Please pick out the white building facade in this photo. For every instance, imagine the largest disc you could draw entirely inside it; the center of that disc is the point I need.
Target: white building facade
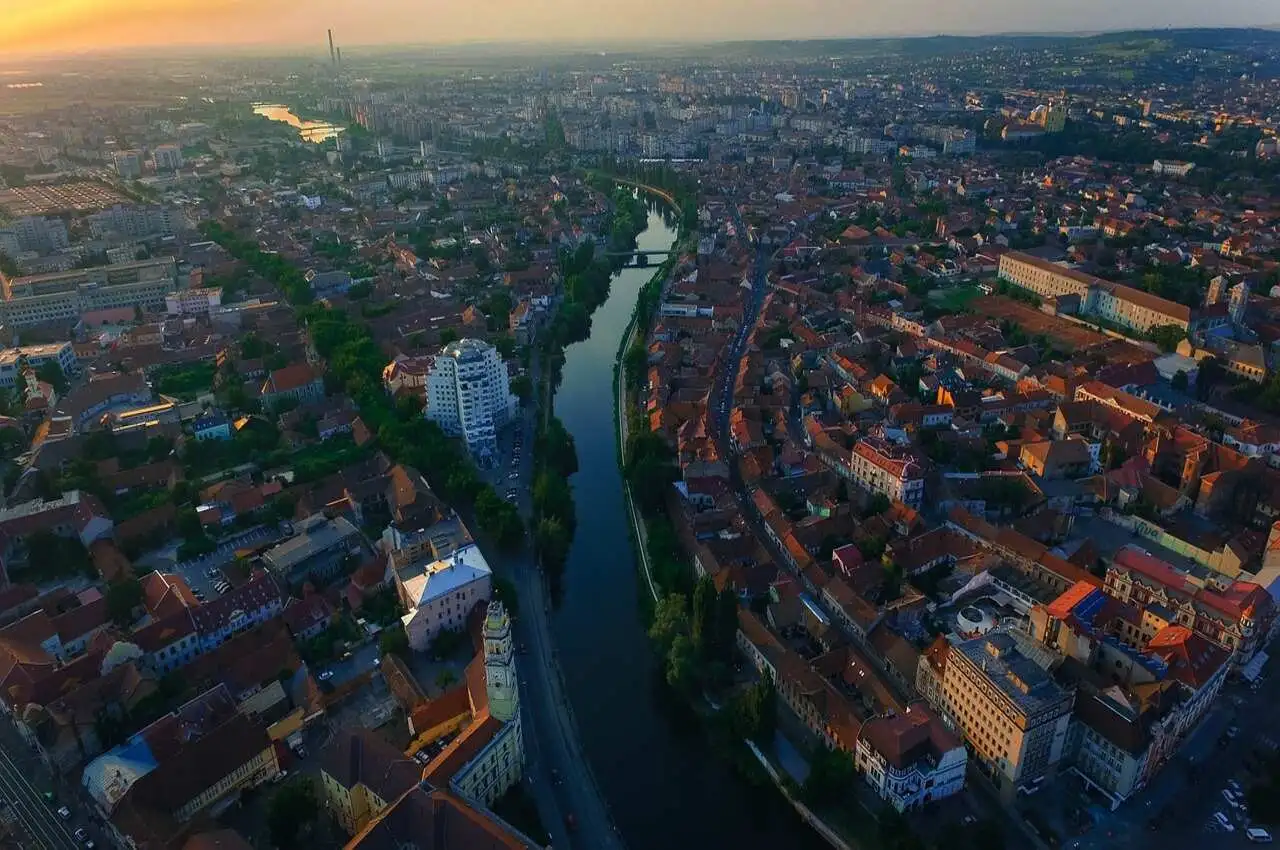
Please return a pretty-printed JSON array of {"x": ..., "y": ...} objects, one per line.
[{"x": 469, "y": 395}]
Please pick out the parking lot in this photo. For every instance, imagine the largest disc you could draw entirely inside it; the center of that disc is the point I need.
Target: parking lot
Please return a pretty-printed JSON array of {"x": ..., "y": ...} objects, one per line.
[
  {"x": 202, "y": 574},
  {"x": 510, "y": 476}
]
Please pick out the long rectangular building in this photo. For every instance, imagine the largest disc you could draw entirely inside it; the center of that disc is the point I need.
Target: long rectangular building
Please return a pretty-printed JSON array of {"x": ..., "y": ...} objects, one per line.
[
  {"x": 1116, "y": 303},
  {"x": 63, "y": 296}
]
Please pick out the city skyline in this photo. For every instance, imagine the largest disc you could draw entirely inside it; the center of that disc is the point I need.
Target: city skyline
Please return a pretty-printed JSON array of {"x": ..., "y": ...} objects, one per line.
[{"x": 63, "y": 26}]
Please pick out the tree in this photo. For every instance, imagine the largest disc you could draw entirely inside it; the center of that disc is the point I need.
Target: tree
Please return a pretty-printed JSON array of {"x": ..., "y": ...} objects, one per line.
[
  {"x": 394, "y": 641},
  {"x": 702, "y": 625},
  {"x": 552, "y": 540},
  {"x": 123, "y": 598},
  {"x": 1179, "y": 381},
  {"x": 448, "y": 335},
  {"x": 1167, "y": 336},
  {"x": 876, "y": 505},
  {"x": 754, "y": 712},
  {"x": 682, "y": 664},
  {"x": 670, "y": 620},
  {"x": 291, "y": 812},
  {"x": 726, "y": 623},
  {"x": 831, "y": 773},
  {"x": 50, "y": 371}
]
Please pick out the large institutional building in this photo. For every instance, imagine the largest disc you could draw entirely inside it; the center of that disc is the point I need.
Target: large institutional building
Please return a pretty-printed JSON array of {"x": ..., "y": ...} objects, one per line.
[
  {"x": 469, "y": 395},
  {"x": 63, "y": 296},
  {"x": 1114, "y": 302}
]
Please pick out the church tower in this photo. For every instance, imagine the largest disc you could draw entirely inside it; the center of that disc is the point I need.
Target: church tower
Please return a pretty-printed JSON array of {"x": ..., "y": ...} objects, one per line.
[{"x": 499, "y": 664}]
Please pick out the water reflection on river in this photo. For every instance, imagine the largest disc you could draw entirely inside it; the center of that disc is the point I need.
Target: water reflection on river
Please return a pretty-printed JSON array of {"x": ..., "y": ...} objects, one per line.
[
  {"x": 310, "y": 131},
  {"x": 666, "y": 786}
]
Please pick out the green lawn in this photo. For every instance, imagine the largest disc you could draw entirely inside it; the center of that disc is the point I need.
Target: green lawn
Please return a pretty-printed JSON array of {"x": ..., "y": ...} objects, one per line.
[{"x": 953, "y": 299}]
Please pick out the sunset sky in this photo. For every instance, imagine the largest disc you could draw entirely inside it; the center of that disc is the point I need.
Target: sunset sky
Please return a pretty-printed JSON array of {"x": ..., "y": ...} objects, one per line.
[{"x": 40, "y": 26}]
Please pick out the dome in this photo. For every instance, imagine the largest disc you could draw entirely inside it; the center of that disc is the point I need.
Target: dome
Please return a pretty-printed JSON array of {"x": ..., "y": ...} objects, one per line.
[{"x": 973, "y": 620}]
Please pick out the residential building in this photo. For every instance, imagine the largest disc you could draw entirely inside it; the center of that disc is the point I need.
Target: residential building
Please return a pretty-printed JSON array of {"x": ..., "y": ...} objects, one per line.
[
  {"x": 12, "y": 360},
  {"x": 1172, "y": 167},
  {"x": 179, "y": 766},
  {"x": 439, "y": 595},
  {"x": 63, "y": 296},
  {"x": 910, "y": 759},
  {"x": 882, "y": 468},
  {"x": 34, "y": 233},
  {"x": 134, "y": 223},
  {"x": 167, "y": 157},
  {"x": 212, "y": 426},
  {"x": 74, "y": 514},
  {"x": 193, "y": 302},
  {"x": 300, "y": 382},
  {"x": 362, "y": 774},
  {"x": 1137, "y": 697},
  {"x": 999, "y": 692},
  {"x": 428, "y": 818},
  {"x": 1236, "y": 615},
  {"x": 469, "y": 395},
  {"x": 128, "y": 164},
  {"x": 316, "y": 551}
]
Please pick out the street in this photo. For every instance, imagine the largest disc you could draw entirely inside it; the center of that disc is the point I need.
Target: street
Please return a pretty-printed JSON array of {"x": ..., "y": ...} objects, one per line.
[
  {"x": 23, "y": 779},
  {"x": 557, "y": 774}
]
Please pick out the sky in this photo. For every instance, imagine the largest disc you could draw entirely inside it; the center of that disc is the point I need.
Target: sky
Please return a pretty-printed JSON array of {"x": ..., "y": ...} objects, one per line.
[{"x": 54, "y": 26}]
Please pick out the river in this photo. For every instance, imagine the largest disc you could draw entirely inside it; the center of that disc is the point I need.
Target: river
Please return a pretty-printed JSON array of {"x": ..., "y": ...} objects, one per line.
[
  {"x": 309, "y": 131},
  {"x": 665, "y": 786}
]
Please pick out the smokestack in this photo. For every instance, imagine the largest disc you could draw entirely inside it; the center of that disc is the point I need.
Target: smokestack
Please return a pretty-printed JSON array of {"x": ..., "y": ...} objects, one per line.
[{"x": 331, "y": 55}]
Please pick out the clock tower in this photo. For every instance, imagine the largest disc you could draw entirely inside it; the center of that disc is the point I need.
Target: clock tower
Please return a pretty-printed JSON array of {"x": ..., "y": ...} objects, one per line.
[{"x": 499, "y": 664}]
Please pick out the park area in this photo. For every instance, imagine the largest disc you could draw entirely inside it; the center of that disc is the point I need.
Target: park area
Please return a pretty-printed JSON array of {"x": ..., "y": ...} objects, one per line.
[{"x": 953, "y": 299}]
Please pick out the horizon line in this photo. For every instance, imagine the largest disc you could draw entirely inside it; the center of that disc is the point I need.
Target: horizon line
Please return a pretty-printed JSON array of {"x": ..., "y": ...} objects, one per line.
[{"x": 294, "y": 49}]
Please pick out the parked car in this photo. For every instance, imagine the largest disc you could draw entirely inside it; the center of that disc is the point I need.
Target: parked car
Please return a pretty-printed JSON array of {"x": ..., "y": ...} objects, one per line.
[
  {"x": 1223, "y": 821},
  {"x": 1258, "y": 835},
  {"x": 64, "y": 813}
]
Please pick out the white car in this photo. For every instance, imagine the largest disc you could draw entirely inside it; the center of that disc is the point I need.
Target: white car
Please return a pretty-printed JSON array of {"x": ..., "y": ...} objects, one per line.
[
  {"x": 1223, "y": 821},
  {"x": 64, "y": 813},
  {"x": 1258, "y": 835}
]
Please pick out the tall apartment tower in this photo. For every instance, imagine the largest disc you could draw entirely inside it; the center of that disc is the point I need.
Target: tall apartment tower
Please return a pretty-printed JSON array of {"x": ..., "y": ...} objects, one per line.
[
  {"x": 500, "y": 664},
  {"x": 333, "y": 60},
  {"x": 1239, "y": 302},
  {"x": 1217, "y": 291}
]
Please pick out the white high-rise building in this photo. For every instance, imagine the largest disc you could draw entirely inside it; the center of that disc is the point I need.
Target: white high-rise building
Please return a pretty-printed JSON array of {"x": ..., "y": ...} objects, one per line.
[
  {"x": 167, "y": 157},
  {"x": 469, "y": 395},
  {"x": 128, "y": 164}
]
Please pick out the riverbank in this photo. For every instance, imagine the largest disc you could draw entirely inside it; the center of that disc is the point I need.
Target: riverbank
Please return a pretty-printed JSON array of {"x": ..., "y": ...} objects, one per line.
[
  {"x": 746, "y": 765},
  {"x": 657, "y": 768}
]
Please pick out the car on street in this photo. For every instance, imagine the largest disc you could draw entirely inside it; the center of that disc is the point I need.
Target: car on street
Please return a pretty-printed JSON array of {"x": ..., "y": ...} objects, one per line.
[
  {"x": 513, "y": 476},
  {"x": 64, "y": 813},
  {"x": 325, "y": 675}
]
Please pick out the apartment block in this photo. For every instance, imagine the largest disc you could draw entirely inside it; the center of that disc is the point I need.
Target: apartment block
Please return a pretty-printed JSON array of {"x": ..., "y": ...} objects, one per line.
[
  {"x": 362, "y": 775},
  {"x": 12, "y": 360},
  {"x": 999, "y": 692},
  {"x": 134, "y": 222},
  {"x": 910, "y": 759},
  {"x": 1236, "y": 615},
  {"x": 469, "y": 395},
  {"x": 63, "y": 296},
  {"x": 885, "y": 469}
]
